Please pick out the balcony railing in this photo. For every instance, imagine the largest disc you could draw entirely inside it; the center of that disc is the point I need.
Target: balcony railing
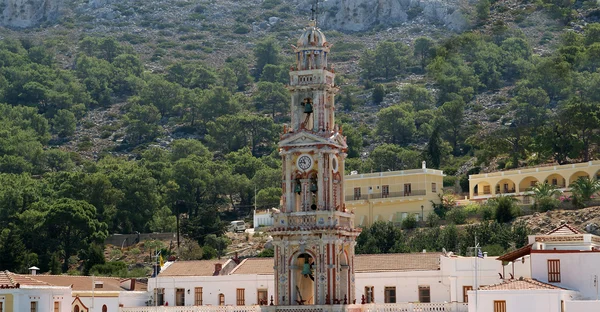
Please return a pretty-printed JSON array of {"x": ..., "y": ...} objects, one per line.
[
  {"x": 388, "y": 307},
  {"x": 386, "y": 195}
]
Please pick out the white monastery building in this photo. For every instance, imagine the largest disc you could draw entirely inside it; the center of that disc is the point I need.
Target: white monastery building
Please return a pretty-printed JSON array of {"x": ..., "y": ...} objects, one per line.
[{"x": 563, "y": 266}]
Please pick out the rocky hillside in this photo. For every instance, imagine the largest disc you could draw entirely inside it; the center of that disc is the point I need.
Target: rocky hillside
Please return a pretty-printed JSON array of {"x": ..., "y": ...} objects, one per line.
[
  {"x": 360, "y": 15},
  {"x": 29, "y": 13},
  {"x": 587, "y": 219}
]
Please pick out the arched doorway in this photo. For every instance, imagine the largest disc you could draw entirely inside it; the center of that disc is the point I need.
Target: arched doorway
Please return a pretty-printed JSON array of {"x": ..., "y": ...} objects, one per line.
[
  {"x": 483, "y": 188},
  {"x": 556, "y": 180},
  {"x": 577, "y": 175},
  {"x": 304, "y": 289},
  {"x": 527, "y": 183},
  {"x": 505, "y": 186}
]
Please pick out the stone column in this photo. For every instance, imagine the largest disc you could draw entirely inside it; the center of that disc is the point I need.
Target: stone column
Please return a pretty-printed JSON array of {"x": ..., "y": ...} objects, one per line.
[
  {"x": 290, "y": 203},
  {"x": 320, "y": 185}
]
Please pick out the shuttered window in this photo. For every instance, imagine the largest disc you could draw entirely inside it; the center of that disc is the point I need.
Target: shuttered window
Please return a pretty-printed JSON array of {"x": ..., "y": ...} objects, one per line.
[
  {"x": 33, "y": 306},
  {"x": 499, "y": 306},
  {"x": 198, "y": 296},
  {"x": 239, "y": 297},
  {"x": 554, "y": 271},
  {"x": 56, "y": 306},
  {"x": 424, "y": 294},
  {"x": 390, "y": 295},
  {"x": 221, "y": 299}
]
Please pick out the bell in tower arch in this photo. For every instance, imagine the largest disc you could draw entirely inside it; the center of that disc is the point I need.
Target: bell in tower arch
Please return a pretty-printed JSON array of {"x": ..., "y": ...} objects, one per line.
[{"x": 308, "y": 107}]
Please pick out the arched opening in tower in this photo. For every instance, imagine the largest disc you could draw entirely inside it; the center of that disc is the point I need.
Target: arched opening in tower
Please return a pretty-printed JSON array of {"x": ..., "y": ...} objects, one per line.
[
  {"x": 304, "y": 280},
  {"x": 308, "y": 116},
  {"x": 343, "y": 290}
]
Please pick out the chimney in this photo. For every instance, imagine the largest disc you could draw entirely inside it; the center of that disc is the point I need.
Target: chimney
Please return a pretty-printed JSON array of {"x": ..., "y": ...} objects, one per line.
[
  {"x": 236, "y": 259},
  {"x": 33, "y": 270},
  {"x": 218, "y": 267},
  {"x": 424, "y": 165}
]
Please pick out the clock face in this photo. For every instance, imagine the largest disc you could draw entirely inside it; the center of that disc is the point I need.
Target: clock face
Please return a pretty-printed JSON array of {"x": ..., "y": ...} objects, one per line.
[{"x": 304, "y": 162}]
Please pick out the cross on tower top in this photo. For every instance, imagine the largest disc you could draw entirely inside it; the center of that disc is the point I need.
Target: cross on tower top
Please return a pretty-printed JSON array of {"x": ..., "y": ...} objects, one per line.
[{"x": 314, "y": 11}]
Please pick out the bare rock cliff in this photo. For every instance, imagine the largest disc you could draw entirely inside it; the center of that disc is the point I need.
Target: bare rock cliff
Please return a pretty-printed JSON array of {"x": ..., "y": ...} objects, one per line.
[
  {"x": 28, "y": 13},
  {"x": 359, "y": 15}
]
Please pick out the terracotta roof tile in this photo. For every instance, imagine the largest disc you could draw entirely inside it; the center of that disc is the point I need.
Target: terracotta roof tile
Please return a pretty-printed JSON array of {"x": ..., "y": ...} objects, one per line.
[
  {"x": 192, "y": 268},
  {"x": 524, "y": 284},
  {"x": 397, "y": 262},
  {"x": 83, "y": 283},
  {"x": 516, "y": 254},
  {"x": 262, "y": 266},
  {"x": 10, "y": 280},
  {"x": 565, "y": 229}
]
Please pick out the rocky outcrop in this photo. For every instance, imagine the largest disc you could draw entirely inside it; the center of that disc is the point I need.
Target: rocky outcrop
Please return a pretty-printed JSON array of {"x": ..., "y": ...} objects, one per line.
[
  {"x": 29, "y": 13},
  {"x": 360, "y": 15}
]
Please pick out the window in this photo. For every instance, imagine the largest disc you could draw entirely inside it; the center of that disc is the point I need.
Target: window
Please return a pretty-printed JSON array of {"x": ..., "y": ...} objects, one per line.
[
  {"x": 555, "y": 182},
  {"x": 76, "y": 308},
  {"x": 356, "y": 193},
  {"x": 33, "y": 306},
  {"x": 263, "y": 297},
  {"x": 369, "y": 294},
  {"x": 499, "y": 306},
  {"x": 56, "y": 306},
  {"x": 221, "y": 299},
  {"x": 424, "y": 294},
  {"x": 407, "y": 189},
  {"x": 198, "y": 296},
  {"x": 1, "y": 307},
  {"x": 385, "y": 191},
  {"x": 554, "y": 271},
  {"x": 433, "y": 187},
  {"x": 486, "y": 189},
  {"x": 179, "y": 297},
  {"x": 239, "y": 297},
  {"x": 390, "y": 295},
  {"x": 159, "y": 294},
  {"x": 104, "y": 308},
  {"x": 465, "y": 291}
]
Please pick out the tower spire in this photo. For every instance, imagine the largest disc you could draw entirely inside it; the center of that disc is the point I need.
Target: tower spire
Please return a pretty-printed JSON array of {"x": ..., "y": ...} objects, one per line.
[{"x": 315, "y": 12}]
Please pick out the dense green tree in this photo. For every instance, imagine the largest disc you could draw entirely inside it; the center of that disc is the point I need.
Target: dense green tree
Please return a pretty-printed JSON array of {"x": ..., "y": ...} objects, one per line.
[
  {"x": 64, "y": 123},
  {"x": 583, "y": 189},
  {"x": 387, "y": 157},
  {"x": 142, "y": 123},
  {"x": 273, "y": 97},
  {"x": 268, "y": 197},
  {"x": 378, "y": 94},
  {"x": 396, "y": 124},
  {"x": 72, "y": 226},
  {"x": 161, "y": 94},
  {"x": 240, "y": 69},
  {"x": 423, "y": 49},
  {"x": 266, "y": 52}
]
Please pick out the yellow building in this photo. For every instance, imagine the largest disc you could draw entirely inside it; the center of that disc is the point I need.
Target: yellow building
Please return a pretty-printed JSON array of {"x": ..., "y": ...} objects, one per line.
[
  {"x": 392, "y": 196},
  {"x": 518, "y": 182}
]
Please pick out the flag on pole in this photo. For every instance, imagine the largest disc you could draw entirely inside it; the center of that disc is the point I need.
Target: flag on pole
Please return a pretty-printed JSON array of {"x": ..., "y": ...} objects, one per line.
[{"x": 479, "y": 253}]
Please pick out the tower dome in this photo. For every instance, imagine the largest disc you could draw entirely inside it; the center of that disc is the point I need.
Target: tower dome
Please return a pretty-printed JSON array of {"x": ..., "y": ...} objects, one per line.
[{"x": 312, "y": 36}]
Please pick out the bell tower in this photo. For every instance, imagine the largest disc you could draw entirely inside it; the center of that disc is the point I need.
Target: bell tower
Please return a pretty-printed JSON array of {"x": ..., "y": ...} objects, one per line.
[{"x": 313, "y": 233}]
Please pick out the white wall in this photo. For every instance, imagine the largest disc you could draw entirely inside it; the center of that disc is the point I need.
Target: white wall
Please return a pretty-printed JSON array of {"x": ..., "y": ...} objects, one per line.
[
  {"x": 577, "y": 270},
  {"x": 520, "y": 300},
  {"x": 44, "y": 296},
  {"x": 134, "y": 298},
  {"x": 460, "y": 271},
  {"x": 213, "y": 286},
  {"x": 95, "y": 304},
  {"x": 582, "y": 306},
  {"x": 262, "y": 219},
  {"x": 446, "y": 284}
]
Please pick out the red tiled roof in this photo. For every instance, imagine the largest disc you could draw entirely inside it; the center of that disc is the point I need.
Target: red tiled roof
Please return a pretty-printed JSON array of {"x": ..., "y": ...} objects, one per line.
[
  {"x": 12, "y": 280},
  {"x": 516, "y": 254},
  {"x": 263, "y": 266},
  {"x": 192, "y": 268},
  {"x": 397, "y": 262},
  {"x": 521, "y": 284},
  {"x": 565, "y": 229},
  {"x": 83, "y": 283}
]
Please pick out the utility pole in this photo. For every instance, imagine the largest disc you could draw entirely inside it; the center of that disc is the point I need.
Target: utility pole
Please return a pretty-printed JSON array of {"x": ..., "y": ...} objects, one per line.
[{"x": 477, "y": 252}]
